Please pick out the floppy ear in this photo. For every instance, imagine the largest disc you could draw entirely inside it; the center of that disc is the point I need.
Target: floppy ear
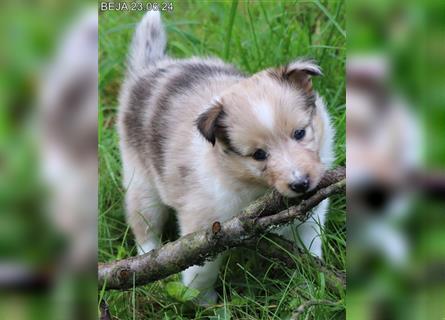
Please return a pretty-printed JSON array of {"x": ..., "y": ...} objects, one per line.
[
  {"x": 300, "y": 73},
  {"x": 209, "y": 123}
]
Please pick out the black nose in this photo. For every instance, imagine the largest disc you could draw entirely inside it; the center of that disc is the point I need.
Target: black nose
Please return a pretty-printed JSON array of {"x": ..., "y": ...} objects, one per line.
[{"x": 300, "y": 186}]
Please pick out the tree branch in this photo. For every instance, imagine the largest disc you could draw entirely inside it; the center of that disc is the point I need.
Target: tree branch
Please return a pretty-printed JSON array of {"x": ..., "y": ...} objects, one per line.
[{"x": 197, "y": 247}]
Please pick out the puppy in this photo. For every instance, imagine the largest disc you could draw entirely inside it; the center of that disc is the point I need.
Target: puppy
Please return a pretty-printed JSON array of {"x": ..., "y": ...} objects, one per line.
[
  {"x": 68, "y": 140},
  {"x": 383, "y": 150},
  {"x": 198, "y": 136}
]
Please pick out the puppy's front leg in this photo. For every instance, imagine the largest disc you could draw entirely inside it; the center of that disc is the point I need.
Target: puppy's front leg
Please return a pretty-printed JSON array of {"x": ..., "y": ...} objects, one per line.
[
  {"x": 202, "y": 277},
  {"x": 308, "y": 233}
]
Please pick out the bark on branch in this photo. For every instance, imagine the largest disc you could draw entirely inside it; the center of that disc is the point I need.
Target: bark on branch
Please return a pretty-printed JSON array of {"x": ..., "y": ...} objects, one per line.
[{"x": 197, "y": 247}]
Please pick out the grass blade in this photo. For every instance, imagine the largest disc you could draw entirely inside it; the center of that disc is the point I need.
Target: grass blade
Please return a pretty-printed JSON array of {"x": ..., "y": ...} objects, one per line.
[{"x": 230, "y": 28}]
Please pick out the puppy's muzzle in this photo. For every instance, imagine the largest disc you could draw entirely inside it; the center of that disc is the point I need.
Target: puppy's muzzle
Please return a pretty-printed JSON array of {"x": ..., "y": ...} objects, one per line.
[{"x": 300, "y": 185}]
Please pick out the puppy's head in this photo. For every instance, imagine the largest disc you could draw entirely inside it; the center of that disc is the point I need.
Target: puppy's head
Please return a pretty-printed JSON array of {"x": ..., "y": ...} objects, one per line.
[{"x": 267, "y": 129}]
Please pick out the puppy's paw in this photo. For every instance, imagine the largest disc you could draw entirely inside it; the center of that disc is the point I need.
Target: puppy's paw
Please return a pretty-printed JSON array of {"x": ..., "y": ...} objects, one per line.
[
  {"x": 316, "y": 251},
  {"x": 207, "y": 298},
  {"x": 147, "y": 246}
]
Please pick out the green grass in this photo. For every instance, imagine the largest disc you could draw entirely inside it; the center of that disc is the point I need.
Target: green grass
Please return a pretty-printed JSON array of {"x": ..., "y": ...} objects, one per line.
[{"x": 253, "y": 36}]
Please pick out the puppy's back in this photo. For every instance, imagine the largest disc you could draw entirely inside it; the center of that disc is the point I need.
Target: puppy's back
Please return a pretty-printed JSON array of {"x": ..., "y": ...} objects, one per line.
[{"x": 162, "y": 96}]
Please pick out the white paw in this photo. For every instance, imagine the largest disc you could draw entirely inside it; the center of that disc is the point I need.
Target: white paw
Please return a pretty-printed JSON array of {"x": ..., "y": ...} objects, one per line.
[
  {"x": 207, "y": 298},
  {"x": 316, "y": 251},
  {"x": 147, "y": 246}
]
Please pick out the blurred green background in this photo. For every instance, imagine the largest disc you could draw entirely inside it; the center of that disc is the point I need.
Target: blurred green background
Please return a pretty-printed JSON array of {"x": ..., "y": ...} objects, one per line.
[
  {"x": 410, "y": 34},
  {"x": 30, "y": 32}
]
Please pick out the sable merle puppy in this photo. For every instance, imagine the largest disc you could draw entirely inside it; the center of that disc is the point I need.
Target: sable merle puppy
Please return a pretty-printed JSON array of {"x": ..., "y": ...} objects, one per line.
[
  {"x": 384, "y": 142},
  {"x": 200, "y": 137}
]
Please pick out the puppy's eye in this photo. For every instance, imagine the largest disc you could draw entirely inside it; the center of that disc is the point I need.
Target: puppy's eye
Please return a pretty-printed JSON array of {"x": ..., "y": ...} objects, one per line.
[
  {"x": 260, "y": 155},
  {"x": 299, "y": 134}
]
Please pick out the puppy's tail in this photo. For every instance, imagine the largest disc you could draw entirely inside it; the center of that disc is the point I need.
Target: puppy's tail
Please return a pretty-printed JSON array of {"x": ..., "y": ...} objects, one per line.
[{"x": 148, "y": 45}]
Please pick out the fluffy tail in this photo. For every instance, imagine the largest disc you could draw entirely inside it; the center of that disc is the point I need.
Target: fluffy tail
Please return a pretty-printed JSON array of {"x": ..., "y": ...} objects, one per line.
[{"x": 149, "y": 41}]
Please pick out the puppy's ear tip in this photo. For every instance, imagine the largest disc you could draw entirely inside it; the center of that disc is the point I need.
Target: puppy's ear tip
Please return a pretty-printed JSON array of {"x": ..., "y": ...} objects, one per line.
[
  {"x": 309, "y": 66},
  {"x": 316, "y": 71},
  {"x": 313, "y": 72},
  {"x": 300, "y": 72}
]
